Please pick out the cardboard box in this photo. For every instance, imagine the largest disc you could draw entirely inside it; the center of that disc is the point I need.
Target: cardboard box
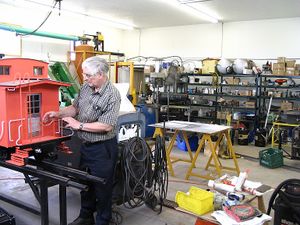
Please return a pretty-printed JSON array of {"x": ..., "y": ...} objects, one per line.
[
  {"x": 149, "y": 69},
  {"x": 231, "y": 80},
  {"x": 290, "y": 63},
  {"x": 245, "y": 92},
  {"x": 286, "y": 106},
  {"x": 281, "y": 59},
  {"x": 209, "y": 65},
  {"x": 290, "y": 71},
  {"x": 250, "y": 104},
  {"x": 278, "y": 71},
  {"x": 278, "y": 66}
]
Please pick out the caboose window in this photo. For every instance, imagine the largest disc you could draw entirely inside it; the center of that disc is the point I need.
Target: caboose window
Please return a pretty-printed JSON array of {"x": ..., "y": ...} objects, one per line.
[
  {"x": 33, "y": 110},
  {"x": 37, "y": 70},
  {"x": 4, "y": 70}
]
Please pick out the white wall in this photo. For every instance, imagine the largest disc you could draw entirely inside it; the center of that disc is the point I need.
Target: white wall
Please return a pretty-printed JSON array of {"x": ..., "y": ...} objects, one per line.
[
  {"x": 263, "y": 39},
  {"x": 131, "y": 43},
  {"x": 185, "y": 41}
]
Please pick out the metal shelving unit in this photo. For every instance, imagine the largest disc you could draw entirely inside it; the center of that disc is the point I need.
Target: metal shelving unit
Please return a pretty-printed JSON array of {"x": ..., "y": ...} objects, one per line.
[
  {"x": 284, "y": 89},
  {"x": 253, "y": 88},
  {"x": 207, "y": 91}
]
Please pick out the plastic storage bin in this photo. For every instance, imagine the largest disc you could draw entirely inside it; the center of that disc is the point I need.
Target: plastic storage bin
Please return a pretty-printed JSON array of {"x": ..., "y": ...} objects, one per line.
[
  {"x": 271, "y": 158},
  {"x": 197, "y": 200},
  {"x": 193, "y": 141}
]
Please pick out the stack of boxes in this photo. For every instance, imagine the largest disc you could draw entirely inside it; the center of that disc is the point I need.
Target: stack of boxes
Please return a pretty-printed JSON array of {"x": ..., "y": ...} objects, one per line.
[
  {"x": 289, "y": 68},
  {"x": 209, "y": 65},
  {"x": 286, "y": 67}
]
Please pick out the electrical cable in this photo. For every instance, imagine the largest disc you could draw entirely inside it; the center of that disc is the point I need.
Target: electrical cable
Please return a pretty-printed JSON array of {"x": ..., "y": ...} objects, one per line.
[
  {"x": 160, "y": 174},
  {"x": 145, "y": 174},
  {"x": 136, "y": 168},
  {"x": 44, "y": 21}
]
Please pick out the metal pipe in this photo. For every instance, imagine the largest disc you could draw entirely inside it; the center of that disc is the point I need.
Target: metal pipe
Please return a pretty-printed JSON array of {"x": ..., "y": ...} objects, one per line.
[
  {"x": 82, "y": 175},
  {"x": 26, "y": 31}
]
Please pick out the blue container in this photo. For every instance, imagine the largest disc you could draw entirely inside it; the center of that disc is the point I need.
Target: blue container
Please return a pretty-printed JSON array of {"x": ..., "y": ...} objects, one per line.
[
  {"x": 193, "y": 141},
  {"x": 150, "y": 118}
]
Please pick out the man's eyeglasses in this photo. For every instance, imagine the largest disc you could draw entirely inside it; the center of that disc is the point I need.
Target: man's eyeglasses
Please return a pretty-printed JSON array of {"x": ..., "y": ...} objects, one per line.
[{"x": 87, "y": 75}]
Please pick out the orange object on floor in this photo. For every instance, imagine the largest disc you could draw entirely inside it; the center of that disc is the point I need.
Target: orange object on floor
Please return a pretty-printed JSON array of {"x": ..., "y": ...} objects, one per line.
[{"x": 200, "y": 221}]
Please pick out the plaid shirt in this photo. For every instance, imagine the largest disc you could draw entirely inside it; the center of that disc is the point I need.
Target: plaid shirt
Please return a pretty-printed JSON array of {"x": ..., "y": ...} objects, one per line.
[{"x": 102, "y": 106}]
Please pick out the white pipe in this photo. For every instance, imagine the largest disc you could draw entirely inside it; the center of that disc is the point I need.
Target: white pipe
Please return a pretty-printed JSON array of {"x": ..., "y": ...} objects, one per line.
[
  {"x": 9, "y": 125},
  {"x": 19, "y": 135}
]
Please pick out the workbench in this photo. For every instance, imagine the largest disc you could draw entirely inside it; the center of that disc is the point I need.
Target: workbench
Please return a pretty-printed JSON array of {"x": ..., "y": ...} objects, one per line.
[{"x": 206, "y": 130}]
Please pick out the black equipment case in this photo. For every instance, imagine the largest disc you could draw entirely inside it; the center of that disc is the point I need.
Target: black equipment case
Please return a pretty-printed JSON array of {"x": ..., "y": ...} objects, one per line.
[{"x": 287, "y": 203}]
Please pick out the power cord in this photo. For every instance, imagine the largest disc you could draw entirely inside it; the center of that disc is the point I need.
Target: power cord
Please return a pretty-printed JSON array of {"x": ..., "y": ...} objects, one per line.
[
  {"x": 44, "y": 21},
  {"x": 136, "y": 169},
  {"x": 145, "y": 174},
  {"x": 159, "y": 179}
]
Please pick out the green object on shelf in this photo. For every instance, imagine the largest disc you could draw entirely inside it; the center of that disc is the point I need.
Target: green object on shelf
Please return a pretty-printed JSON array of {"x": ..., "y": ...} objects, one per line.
[
  {"x": 271, "y": 158},
  {"x": 60, "y": 72}
]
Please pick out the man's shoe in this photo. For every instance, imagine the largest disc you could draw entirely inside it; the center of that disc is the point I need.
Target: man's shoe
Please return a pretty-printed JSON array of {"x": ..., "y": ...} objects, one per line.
[{"x": 83, "y": 221}]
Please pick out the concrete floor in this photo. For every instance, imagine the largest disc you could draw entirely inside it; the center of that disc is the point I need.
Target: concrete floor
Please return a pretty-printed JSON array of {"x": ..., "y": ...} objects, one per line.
[{"x": 12, "y": 183}]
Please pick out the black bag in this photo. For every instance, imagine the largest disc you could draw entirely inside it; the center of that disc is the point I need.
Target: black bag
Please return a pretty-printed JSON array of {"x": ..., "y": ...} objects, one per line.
[
  {"x": 6, "y": 219},
  {"x": 286, "y": 206}
]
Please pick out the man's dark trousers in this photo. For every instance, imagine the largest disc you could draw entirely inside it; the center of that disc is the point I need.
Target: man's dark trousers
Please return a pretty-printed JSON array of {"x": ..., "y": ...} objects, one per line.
[{"x": 100, "y": 160}]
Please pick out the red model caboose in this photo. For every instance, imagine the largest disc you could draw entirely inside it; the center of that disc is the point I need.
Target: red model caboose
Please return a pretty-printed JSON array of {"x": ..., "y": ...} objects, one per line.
[{"x": 26, "y": 94}]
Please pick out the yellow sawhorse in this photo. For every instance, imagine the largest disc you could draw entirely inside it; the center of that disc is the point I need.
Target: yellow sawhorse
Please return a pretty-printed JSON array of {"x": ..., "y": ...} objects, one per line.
[
  {"x": 276, "y": 127},
  {"x": 173, "y": 159},
  {"x": 214, "y": 157}
]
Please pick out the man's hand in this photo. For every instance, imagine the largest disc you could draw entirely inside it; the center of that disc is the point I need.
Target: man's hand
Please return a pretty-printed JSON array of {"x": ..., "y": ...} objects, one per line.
[
  {"x": 71, "y": 123},
  {"x": 49, "y": 116}
]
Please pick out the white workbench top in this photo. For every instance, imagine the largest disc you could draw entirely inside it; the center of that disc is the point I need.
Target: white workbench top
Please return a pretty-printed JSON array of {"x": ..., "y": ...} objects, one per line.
[{"x": 192, "y": 126}]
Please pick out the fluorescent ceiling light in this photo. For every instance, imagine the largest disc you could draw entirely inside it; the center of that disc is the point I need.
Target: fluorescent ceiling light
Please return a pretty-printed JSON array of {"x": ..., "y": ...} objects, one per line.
[
  {"x": 76, "y": 13},
  {"x": 191, "y": 8}
]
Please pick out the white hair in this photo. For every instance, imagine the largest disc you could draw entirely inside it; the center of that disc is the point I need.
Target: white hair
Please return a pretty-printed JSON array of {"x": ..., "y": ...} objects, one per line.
[{"x": 95, "y": 65}]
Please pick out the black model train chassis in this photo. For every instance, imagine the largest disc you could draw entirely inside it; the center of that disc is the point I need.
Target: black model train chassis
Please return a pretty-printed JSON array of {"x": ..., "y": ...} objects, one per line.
[{"x": 42, "y": 174}]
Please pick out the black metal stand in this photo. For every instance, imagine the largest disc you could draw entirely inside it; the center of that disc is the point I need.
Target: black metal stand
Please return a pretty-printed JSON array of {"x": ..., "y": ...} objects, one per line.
[
  {"x": 62, "y": 205},
  {"x": 44, "y": 202},
  {"x": 49, "y": 174}
]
